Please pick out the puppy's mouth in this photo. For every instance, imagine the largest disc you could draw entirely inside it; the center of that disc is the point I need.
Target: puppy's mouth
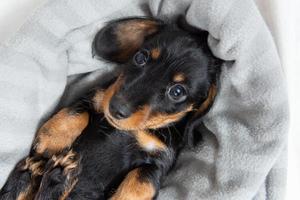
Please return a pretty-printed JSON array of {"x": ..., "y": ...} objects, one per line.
[
  {"x": 115, "y": 123},
  {"x": 145, "y": 119},
  {"x": 136, "y": 121},
  {"x": 111, "y": 120}
]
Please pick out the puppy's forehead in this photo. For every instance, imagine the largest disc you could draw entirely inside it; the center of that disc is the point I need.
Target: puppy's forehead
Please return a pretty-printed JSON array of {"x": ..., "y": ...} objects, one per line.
[
  {"x": 172, "y": 39},
  {"x": 174, "y": 44},
  {"x": 179, "y": 55}
]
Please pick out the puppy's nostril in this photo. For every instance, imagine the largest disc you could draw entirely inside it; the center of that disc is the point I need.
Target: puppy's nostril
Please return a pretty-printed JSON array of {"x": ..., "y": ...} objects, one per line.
[{"x": 119, "y": 112}]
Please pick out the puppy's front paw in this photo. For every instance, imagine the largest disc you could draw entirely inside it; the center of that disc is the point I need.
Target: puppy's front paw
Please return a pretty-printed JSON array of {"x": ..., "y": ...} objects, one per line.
[
  {"x": 58, "y": 133},
  {"x": 60, "y": 176},
  {"x": 23, "y": 182}
]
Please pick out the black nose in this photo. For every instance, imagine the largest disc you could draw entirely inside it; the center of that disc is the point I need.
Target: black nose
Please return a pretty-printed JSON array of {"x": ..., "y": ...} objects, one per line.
[{"x": 118, "y": 109}]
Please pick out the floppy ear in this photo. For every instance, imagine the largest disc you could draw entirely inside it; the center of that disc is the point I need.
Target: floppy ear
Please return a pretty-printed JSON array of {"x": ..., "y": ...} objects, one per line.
[
  {"x": 201, "y": 37},
  {"x": 191, "y": 135},
  {"x": 120, "y": 39},
  {"x": 195, "y": 121},
  {"x": 199, "y": 34},
  {"x": 206, "y": 105}
]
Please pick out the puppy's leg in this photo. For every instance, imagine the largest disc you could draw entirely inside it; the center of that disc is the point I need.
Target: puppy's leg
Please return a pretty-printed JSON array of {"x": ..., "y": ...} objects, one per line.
[
  {"x": 24, "y": 180},
  {"x": 60, "y": 177},
  {"x": 56, "y": 135},
  {"x": 60, "y": 131},
  {"x": 140, "y": 184}
]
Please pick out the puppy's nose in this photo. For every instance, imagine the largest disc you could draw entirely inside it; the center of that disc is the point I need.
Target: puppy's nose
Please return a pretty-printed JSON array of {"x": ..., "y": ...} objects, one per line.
[{"x": 118, "y": 109}]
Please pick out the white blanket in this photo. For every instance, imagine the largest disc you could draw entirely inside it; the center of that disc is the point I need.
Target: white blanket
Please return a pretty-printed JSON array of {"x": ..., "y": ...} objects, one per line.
[{"x": 243, "y": 154}]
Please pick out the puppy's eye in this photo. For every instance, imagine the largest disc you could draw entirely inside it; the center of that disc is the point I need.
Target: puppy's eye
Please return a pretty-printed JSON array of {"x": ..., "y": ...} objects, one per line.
[
  {"x": 177, "y": 93},
  {"x": 141, "y": 57}
]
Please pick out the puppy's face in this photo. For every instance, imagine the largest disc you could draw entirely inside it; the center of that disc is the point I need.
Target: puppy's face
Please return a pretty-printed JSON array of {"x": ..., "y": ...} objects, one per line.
[{"x": 165, "y": 73}]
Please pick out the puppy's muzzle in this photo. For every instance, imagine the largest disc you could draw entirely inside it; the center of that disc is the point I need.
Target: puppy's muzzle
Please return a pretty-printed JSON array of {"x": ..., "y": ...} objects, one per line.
[{"x": 119, "y": 108}]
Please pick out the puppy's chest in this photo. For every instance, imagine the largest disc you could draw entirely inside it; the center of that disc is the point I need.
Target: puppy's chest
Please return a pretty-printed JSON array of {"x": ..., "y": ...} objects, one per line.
[{"x": 149, "y": 141}]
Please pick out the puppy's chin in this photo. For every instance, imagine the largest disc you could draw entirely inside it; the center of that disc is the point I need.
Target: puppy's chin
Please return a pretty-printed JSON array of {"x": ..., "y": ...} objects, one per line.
[
  {"x": 143, "y": 120},
  {"x": 135, "y": 122},
  {"x": 116, "y": 123}
]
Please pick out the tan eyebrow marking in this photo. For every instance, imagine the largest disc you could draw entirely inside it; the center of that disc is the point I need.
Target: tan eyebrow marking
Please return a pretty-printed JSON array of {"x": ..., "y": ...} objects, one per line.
[
  {"x": 155, "y": 53},
  {"x": 179, "y": 77}
]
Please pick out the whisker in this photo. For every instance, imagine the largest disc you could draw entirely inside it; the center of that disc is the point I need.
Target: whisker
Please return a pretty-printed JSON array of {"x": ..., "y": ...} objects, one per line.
[
  {"x": 170, "y": 136},
  {"x": 177, "y": 131}
]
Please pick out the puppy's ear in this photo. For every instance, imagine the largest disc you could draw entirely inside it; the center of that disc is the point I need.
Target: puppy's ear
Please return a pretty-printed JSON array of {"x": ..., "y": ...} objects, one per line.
[
  {"x": 201, "y": 37},
  {"x": 206, "y": 105},
  {"x": 190, "y": 135},
  {"x": 120, "y": 39},
  {"x": 199, "y": 34}
]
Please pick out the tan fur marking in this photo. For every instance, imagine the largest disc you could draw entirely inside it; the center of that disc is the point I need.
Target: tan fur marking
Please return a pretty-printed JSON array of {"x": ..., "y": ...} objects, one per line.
[
  {"x": 26, "y": 195},
  {"x": 211, "y": 96},
  {"x": 160, "y": 120},
  {"x": 155, "y": 53},
  {"x": 36, "y": 167},
  {"x": 149, "y": 141},
  {"x": 132, "y": 188},
  {"x": 131, "y": 35},
  {"x": 67, "y": 161},
  {"x": 179, "y": 78},
  {"x": 134, "y": 122},
  {"x": 60, "y": 131},
  {"x": 70, "y": 163},
  {"x": 22, "y": 196},
  {"x": 108, "y": 94},
  {"x": 68, "y": 190},
  {"x": 97, "y": 100}
]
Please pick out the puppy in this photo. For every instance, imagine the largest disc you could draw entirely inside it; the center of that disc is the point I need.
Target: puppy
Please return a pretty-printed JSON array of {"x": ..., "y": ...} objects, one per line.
[{"x": 120, "y": 139}]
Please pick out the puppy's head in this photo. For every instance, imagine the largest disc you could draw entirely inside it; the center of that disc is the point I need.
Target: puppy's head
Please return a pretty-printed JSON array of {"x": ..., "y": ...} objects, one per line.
[{"x": 166, "y": 72}]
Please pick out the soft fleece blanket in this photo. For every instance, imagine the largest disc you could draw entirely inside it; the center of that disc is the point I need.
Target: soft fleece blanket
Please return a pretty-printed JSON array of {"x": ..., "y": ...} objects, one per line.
[{"x": 243, "y": 151}]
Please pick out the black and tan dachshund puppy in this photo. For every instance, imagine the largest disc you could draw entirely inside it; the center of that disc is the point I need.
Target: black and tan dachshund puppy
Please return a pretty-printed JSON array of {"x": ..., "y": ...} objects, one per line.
[{"x": 121, "y": 138}]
